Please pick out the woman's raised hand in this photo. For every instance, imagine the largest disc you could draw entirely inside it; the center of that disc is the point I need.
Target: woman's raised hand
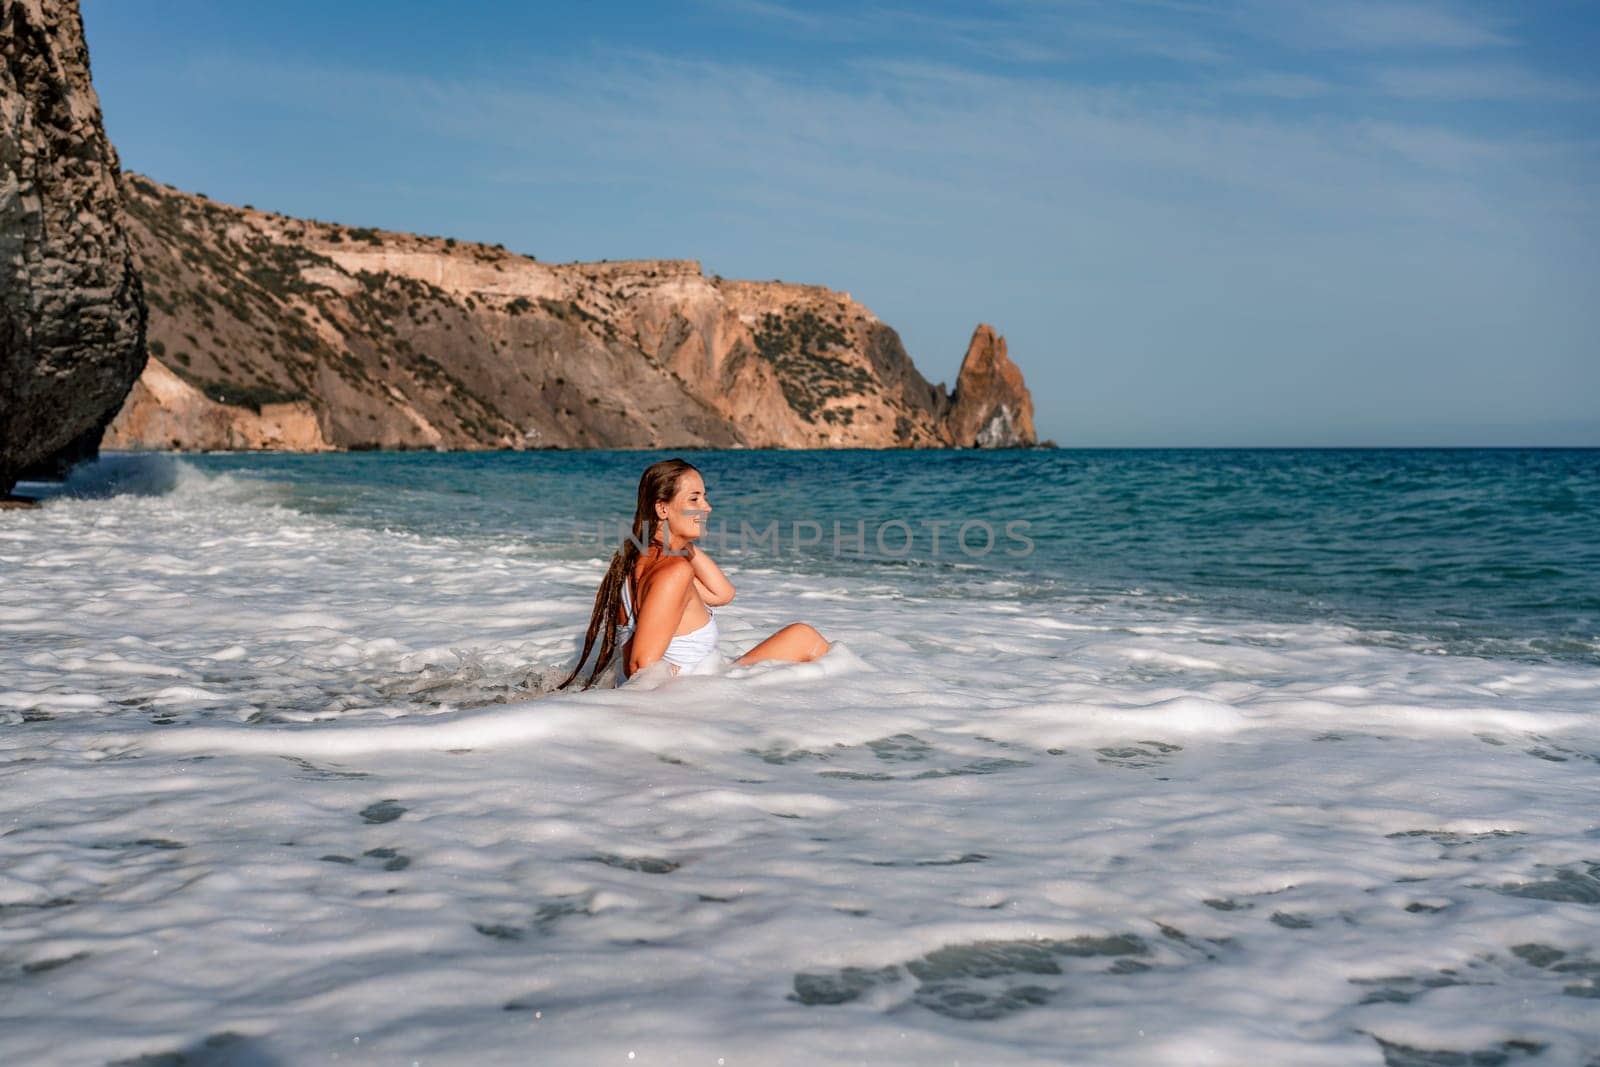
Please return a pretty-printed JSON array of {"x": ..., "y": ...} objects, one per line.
[{"x": 709, "y": 581}]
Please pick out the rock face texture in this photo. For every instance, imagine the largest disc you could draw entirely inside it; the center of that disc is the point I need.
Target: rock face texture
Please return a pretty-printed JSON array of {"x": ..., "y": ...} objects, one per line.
[
  {"x": 392, "y": 340},
  {"x": 164, "y": 407},
  {"x": 991, "y": 407},
  {"x": 72, "y": 317}
]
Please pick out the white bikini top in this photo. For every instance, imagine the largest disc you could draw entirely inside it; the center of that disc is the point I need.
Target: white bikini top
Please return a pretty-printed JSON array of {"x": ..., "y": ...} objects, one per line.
[{"x": 684, "y": 649}]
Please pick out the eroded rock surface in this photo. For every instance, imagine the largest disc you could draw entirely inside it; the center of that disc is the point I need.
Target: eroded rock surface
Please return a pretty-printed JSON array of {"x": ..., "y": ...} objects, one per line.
[{"x": 72, "y": 316}]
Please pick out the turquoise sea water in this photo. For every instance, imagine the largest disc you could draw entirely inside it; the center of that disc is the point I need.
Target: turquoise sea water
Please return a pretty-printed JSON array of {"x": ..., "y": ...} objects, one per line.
[{"x": 1468, "y": 552}]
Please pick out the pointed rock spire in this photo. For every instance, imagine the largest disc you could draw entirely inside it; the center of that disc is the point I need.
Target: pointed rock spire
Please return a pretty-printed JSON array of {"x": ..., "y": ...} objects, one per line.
[{"x": 991, "y": 406}]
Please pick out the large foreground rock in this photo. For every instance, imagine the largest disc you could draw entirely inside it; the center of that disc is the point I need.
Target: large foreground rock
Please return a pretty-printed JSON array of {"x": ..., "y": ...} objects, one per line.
[{"x": 72, "y": 314}]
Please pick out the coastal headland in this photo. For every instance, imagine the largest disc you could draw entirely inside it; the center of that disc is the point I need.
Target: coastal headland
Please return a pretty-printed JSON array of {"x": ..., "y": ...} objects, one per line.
[{"x": 281, "y": 333}]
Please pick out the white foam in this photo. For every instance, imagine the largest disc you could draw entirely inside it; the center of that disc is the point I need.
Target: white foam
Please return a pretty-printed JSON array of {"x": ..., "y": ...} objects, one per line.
[{"x": 298, "y": 782}]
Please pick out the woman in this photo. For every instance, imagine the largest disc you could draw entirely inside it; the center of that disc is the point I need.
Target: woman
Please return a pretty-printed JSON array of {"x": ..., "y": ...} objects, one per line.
[{"x": 674, "y": 586}]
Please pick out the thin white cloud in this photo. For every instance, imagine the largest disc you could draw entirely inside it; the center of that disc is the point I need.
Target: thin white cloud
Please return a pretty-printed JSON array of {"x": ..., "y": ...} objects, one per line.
[
  {"x": 1481, "y": 82},
  {"x": 1005, "y": 32},
  {"x": 918, "y": 137},
  {"x": 1092, "y": 38},
  {"x": 913, "y": 134},
  {"x": 1280, "y": 85},
  {"x": 1442, "y": 150},
  {"x": 770, "y": 9},
  {"x": 1379, "y": 25}
]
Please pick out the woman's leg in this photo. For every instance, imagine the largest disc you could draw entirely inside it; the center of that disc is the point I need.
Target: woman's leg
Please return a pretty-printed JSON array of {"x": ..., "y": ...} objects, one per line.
[{"x": 796, "y": 642}]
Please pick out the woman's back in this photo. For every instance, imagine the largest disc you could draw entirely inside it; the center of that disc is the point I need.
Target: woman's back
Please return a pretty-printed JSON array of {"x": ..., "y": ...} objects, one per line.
[
  {"x": 695, "y": 612},
  {"x": 688, "y": 647}
]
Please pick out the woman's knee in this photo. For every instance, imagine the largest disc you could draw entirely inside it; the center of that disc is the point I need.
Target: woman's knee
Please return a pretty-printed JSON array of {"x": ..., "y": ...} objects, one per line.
[{"x": 815, "y": 644}]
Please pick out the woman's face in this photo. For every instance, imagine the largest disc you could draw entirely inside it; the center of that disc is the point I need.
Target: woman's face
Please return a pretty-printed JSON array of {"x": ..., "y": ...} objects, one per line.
[{"x": 686, "y": 512}]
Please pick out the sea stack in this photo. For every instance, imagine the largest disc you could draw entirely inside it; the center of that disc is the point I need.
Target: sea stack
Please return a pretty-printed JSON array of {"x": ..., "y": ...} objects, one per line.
[
  {"x": 72, "y": 311},
  {"x": 991, "y": 407}
]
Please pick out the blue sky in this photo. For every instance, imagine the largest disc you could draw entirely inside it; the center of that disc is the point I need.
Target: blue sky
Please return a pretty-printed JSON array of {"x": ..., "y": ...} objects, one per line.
[{"x": 1270, "y": 222}]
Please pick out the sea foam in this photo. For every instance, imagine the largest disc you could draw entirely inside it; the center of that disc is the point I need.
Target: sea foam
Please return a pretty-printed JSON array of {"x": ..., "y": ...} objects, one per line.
[{"x": 276, "y": 782}]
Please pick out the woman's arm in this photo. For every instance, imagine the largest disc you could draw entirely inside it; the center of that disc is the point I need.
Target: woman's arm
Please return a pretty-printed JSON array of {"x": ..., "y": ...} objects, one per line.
[
  {"x": 663, "y": 597},
  {"x": 712, "y": 585}
]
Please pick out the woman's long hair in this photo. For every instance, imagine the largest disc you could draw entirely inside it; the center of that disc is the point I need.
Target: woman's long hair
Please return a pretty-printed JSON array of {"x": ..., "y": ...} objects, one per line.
[{"x": 658, "y": 484}]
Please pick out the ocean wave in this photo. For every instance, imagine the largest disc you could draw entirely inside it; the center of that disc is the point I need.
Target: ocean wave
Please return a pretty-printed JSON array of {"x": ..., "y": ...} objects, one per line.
[
  {"x": 148, "y": 474},
  {"x": 304, "y": 768}
]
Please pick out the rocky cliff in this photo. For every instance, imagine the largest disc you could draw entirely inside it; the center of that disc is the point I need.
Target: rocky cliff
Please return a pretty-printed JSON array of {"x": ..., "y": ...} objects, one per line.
[
  {"x": 71, "y": 315},
  {"x": 273, "y": 332}
]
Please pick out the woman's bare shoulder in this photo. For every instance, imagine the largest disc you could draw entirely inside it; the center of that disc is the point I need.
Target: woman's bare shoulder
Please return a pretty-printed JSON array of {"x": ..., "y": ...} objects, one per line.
[{"x": 673, "y": 571}]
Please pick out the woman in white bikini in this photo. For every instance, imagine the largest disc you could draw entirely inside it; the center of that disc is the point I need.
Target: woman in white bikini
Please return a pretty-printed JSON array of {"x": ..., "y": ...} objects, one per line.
[{"x": 674, "y": 586}]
